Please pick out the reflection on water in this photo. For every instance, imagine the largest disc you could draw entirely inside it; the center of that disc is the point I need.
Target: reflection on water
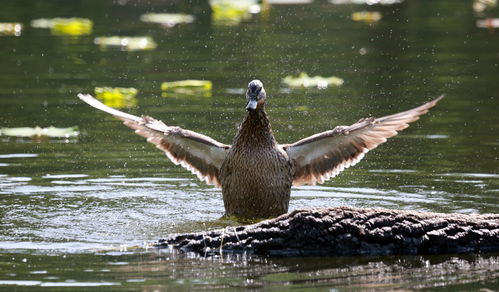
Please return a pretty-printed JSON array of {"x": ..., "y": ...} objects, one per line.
[
  {"x": 146, "y": 270},
  {"x": 68, "y": 208}
]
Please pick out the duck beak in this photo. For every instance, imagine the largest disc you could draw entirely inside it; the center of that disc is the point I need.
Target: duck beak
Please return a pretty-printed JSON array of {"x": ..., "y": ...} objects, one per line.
[{"x": 251, "y": 104}]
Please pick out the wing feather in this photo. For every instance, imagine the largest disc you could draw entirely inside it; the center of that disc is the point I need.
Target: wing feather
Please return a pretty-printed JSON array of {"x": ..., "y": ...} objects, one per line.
[
  {"x": 198, "y": 153},
  {"x": 324, "y": 155}
]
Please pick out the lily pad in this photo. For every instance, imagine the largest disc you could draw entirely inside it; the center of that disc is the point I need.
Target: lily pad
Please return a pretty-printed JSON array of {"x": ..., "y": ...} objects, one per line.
[
  {"x": 367, "y": 16},
  {"x": 289, "y": 2},
  {"x": 10, "y": 28},
  {"x": 167, "y": 19},
  {"x": 303, "y": 80},
  {"x": 65, "y": 26},
  {"x": 205, "y": 85},
  {"x": 126, "y": 43},
  {"x": 35, "y": 132},
  {"x": 117, "y": 97},
  {"x": 302, "y": 108},
  {"x": 227, "y": 12},
  {"x": 368, "y": 2},
  {"x": 187, "y": 87}
]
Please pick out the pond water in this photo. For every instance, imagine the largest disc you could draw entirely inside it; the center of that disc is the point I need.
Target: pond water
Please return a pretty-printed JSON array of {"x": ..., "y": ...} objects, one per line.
[{"x": 78, "y": 212}]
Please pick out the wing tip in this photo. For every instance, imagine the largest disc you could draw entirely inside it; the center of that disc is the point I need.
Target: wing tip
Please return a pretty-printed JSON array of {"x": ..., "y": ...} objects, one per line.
[
  {"x": 85, "y": 97},
  {"x": 90, "y": 100},
  {"x": 134, "y": 122},
  {"x": 434, "y": 102},
  {"x": 93, "y": 102},
  {"x": 440, "y": 97}
]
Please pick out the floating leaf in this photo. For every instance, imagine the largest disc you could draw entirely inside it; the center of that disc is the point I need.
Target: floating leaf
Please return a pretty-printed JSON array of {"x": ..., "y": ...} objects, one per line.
[
  {"x": 301, "y": 108},
  {"x": 10, "y": 28},
  {"x": 303, "y": 80},
  {"x": 366, "y": 16},
  {"x": 227, "y": 12},
  {"x": 117, "y": 97},
  {"x": 126, "y": 43},
  {"x": 167, "y": 19},
  {"x": 41, "y": 23},
  {"x": 65, "y": 26},
  {"x": 35, "y": 132},
  {"x": 288, "y": 2},
  {"x": 72, "y": 26},
  {"x": 188, "y": 87},
  {"x": 368, "y": 2}
]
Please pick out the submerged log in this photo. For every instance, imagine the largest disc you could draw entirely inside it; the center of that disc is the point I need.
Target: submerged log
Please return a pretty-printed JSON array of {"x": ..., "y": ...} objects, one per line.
[{"x": 349, "y": 231}]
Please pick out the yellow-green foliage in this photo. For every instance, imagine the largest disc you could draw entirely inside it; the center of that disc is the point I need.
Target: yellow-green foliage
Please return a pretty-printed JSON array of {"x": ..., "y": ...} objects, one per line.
[
  {"x": 167, "y": 19},
  {"x": 303, "y": 80},
  {"x": 51, "y": 132},
  {"x": 367, "y": 16},
  {"x": 188, "y": 87},
  {"x": 10, "y": 28},
  {"x": 65, "y": 26},
  {"x": 126, "y": 43},
  {"x": 227, "y": 12},
  {"x": 117, "y": 97}
]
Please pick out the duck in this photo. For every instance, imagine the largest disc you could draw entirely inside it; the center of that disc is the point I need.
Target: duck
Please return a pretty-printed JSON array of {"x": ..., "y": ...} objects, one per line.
[{"x": 256, "y": 173}]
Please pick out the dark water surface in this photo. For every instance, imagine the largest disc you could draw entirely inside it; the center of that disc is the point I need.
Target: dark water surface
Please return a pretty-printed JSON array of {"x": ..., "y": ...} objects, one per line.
[{"x": 75, "y": 213}]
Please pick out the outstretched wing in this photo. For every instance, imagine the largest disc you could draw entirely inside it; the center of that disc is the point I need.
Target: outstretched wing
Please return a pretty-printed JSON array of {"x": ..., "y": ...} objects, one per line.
[
  {"x": 198, "y": 153},
  {"x": 324, "y": 155}
]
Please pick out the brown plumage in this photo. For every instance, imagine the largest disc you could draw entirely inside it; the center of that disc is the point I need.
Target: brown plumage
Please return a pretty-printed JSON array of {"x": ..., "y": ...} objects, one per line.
[{"x": 256, "y": 173}]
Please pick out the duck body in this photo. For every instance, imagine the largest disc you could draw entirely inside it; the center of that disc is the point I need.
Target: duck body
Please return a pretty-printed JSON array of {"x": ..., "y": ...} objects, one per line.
[
  {"x": 255, "y": 172},
  {"x": 256, "y": 176}
]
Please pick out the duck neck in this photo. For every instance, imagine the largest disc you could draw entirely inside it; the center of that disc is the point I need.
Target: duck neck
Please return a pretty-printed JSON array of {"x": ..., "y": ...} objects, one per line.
[{"x": 255, "y": 129}]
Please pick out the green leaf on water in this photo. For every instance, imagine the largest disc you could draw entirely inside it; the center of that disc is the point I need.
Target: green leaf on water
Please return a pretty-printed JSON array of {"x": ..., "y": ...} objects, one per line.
[
  {"x": 227, "y": 12},
  {"x": 10, "y": 28},
  {"x": 126, "y": 43},
  {"x": 117, "y": 97},
  {"x": 188, "y": 87},
  {"x": 51, "y": 132},
  {"x": 303, "y": 80},
  {"x": 65, "y": 26},
  {"x": 167, "y": 19},
  {"x": 367, "y": 16}
]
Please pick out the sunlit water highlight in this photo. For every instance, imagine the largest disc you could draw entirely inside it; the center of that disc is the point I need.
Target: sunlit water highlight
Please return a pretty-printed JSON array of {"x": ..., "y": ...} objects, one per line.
[{"x": 118, "y": 210}]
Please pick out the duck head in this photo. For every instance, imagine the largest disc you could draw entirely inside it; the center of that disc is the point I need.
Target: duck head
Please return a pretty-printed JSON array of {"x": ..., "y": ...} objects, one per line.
[{"x": 255, "y": 95}]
